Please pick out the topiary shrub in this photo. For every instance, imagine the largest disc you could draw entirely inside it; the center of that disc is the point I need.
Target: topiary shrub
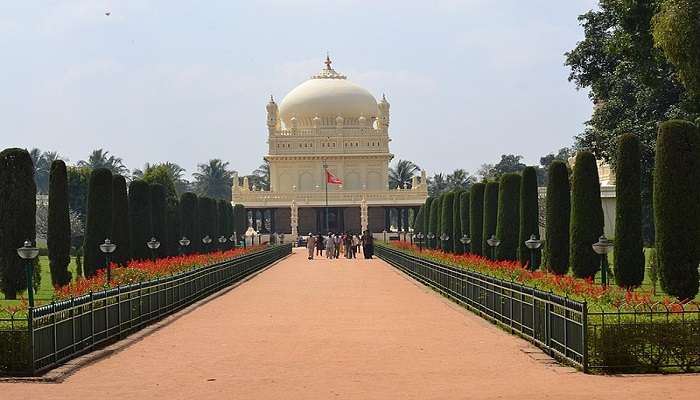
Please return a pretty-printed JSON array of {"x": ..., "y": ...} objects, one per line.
[
  {"x": 508, "y": 219},
  {"x": 99, "y": 220},
  {"x": 120, "y": 221},
  {"x": 158, "y": 213},
  {"x": 677, "y": 207},
  {"x": 140, "y": 227},
  {"x": 17, "y": 217},
  {"x": 241, "y": 220},
  {"x": 457, "y": 246},
  {"x": 529, "y": 214},
  {"x": 586, "y": 216},
  {"x": 558, "y": 200},
  {"x": 58, "y": 236},
  {"x": 418, "y": 219},
  {"x": 434, "y": 227},
  {"x": 464, "y": 217},
  {"x": 490, "y": 216},
  {"x": 188, "y": 221},
  {"x": 629, "y": 252},
  {"x": 172, "y": 226},
  {"x": 446, "y": 220},
  {"x": 426, "y": 218},
  {"x": 476, "y": 217}
]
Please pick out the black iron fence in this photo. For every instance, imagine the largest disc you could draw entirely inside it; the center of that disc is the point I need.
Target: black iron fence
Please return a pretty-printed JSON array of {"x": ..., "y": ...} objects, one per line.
[
  {"x": 554, "y": 323},
  {"x": 57, "y": 332}
]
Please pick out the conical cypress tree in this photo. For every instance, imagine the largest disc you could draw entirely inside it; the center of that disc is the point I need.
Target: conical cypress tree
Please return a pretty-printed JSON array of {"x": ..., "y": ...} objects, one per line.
[
  {"x": 172, "y": 226},
  {"x": 458, "y": 247},
  {"x": 490, "y": 216},
  {"x": 677, "y": 207},
  {"x": 529, "y": 213},
  {"x": 476, "y": 217},
  {"x": 629, "y": 253},
  {"x": 447, "y": 223},
  {"x": 464, "y": 217},
  {"x": 558, "y": 209},
  {"x": 158, "y": 213},
  {"x": 189, "y": 221},
  {"x": 438, "y": 242},
  {"x": 203, "y": 213},
  {"x": 99, "y": 219},
  {"x": 418, "y": 220},
  {"x": 508, "y": 217},
  {"x": 435, "y": 211},
  {"x": 140, "y": 225},
  {"x": 17, "y": 217},
  {"x": 241, "y": 221},
  {"x": 221, "y": 218},
  {"x": 426, "y": 216},
  {"x": 58, "y": 237},
  {"x": 586, "y": 216},
  {"x": 120, "y": 221}
]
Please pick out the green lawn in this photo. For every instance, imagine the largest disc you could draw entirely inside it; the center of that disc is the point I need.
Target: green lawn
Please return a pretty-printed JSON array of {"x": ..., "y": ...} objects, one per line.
[{"x": 45, "y": 293}]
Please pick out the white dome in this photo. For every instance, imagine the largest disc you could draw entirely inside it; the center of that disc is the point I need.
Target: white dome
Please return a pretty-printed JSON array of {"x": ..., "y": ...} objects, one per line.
[{"x": 327, "y": 95}]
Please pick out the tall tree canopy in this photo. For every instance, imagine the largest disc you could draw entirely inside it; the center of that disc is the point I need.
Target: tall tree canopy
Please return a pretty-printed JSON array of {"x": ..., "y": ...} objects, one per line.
[
  {"x": 401, "y": 174},
  {"x": 213, "y": 180},
  {"x": 102, "y": 159}
]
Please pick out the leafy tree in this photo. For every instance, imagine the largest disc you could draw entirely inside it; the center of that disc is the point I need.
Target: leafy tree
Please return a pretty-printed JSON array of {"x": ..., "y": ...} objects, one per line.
[
  {"x": 167, "y": 174},
  {"x": 401, "y": 174},
  {"x": 58, "y": 235},
  {"x": 189, "y": 221},
  {"x": 435, "y": 210},
  {"x": 464, "y": 217},
  {"x": 562, "y": 154},
  {"x": 102, "y": 159},
  {"x": 42, "y": 167},
  {"x": 677, "y": 207},
  {"x": 140, "y": 224},
  {"x": 437, "y": 185},
  {"x": 260, "y": 177},
  {"x": 459, "y": 179},
  {"x": 78, "y": 178},
  {"x": 446, "y": 221},
  {"x": 99, "y": 219},
  {"x": 529, "y": 213},
  {"x": 214, "y": 180},
  {"x": 486, "y": 172},
  {"x": 509, "y": 163},
  {"x": 476, "y": 217},
  {"x": 508, "y": 216},
  {"x": 17, "y": 221},
  {"x": 120, "y": 221},
  {"x": 158, "y": 217},
  {"x": 490, "y": 215},
  {"x": 558, "y": 209},
  {"x": 457, "y": 246},
  {"x": 586, "y": 216},
  {"x": 629, "y": 255},
  {"x": 676, "y": 30}
]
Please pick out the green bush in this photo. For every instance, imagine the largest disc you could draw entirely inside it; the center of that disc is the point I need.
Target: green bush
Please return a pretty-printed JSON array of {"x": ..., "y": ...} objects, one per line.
[
  {"x": 58, "y": 235},
  {"x": 458, "y": 247},
  {"x": 529, "y": 214},
  {"x": 464, "y": 217},
  {"x": 508, "y": 219},
  {"x": 172, "y": 226},
  {"x": 677, "y": 207},
  {"x": 241, "y": 220},
  {"x": 140, "y": 225},
  {"x": 435, "y": 211},
  {"x": 490, "y": 216},
  {"x": 558, "y": 209},
  {"x": 17, "y": 217},
  {"x": 158, "y": 213},
  {"x": 446, "y": 219},
  {"x": 426, "y": 218},
  {"x": 586, "y": 216},
  {"x": 476, "y": 217},
  {"x": 418, "y": 219},
  {"x": 189, "y": 221},
  {"x": 120, "y": 220},
  {"x": 99, "y": 219},
  {"x": 629, "y": 253}
]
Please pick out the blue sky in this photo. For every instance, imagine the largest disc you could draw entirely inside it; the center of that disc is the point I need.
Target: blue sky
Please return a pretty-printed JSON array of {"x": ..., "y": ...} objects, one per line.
[{"x": 186, "y": 81}]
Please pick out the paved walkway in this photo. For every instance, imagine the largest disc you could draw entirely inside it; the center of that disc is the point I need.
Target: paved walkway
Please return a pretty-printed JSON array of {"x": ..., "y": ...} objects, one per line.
[{"x": 342, "y": 329}]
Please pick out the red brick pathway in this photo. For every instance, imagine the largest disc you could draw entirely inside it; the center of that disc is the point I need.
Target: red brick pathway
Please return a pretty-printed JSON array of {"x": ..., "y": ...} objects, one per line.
[{"x": 342, "y": 329}]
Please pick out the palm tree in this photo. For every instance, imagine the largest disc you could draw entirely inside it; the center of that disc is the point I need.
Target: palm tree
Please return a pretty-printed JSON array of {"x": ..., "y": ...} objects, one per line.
[
  {"x": 261, "y": 176},
  {"x": 459, "y": 179},
  {"x": 401, "y": 174},
  {"x": 42, "y": 168},
  {"x": 437, "y": 184},
  {"x": 213, "y": 180},
  {"x": 102, "y": 159}
]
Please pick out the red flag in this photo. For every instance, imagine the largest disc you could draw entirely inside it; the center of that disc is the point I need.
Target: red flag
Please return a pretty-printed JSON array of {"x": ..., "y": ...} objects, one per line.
[{"x": 332, "y": 179}]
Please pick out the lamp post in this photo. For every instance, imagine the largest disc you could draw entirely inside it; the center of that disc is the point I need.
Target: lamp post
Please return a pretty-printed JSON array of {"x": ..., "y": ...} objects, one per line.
[
  {"x": 603, "y": 247},
  {"x": 107, "y": 248},
  {"x": 29, "y": 253},
  {"x": 232, "y": 239},
  {"x": 466, "y": 240},
  {"x": 420, "y": 237},
  {"x": 384, "y": 232},
  {"x": 206, "y": 240},
  {"x": 184, "y": 242},
  {"x": 533, "y": 244},
  {"x": 222, "y": 242},
  {"x": 430, "y": 237},
  {"x": 153, "y": 244},
  {"x": 493, "y": 242},
  {"x": 444, "y": 238}
]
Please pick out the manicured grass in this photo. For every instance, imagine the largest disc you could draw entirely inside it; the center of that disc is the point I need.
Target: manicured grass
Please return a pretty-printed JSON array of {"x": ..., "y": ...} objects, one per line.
[{"x": 45, "y": 292}]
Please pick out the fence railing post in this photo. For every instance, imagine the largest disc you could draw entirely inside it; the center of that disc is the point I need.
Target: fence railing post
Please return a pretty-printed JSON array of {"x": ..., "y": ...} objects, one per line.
[
  {"x": 30, "y": 327},
  {"x": 584, "y": 348}
]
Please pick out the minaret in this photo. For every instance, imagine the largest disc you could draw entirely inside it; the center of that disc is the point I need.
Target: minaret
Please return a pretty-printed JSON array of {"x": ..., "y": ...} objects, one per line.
[
  {"x": 384, "y": 113},
  {"x": 272, "y": 114}
]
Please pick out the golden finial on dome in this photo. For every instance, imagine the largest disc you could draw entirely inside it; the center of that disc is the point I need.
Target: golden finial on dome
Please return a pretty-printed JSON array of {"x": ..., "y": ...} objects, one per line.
[{"x": 328, "y": 61}]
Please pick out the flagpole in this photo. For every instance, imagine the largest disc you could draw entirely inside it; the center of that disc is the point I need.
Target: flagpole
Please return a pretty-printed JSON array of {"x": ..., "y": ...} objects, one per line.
[{"x": 325, "y": 170}]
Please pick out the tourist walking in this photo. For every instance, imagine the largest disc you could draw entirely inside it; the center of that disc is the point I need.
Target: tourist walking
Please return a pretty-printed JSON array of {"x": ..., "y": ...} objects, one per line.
[
  {"x": 330, "y": 246},
  {"x": 336, "y": 245},
  {"x": 355, "y": 245},
  {"x": 311, "y": 245},
  {"x": 367, "y": 245},
  {"x": 347, "y": 242},
  {"x": 319, "y": 245}
]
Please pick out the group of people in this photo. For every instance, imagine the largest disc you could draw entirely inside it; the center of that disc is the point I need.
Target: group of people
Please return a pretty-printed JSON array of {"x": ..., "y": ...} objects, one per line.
[{"x": 336, "y": 244}]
